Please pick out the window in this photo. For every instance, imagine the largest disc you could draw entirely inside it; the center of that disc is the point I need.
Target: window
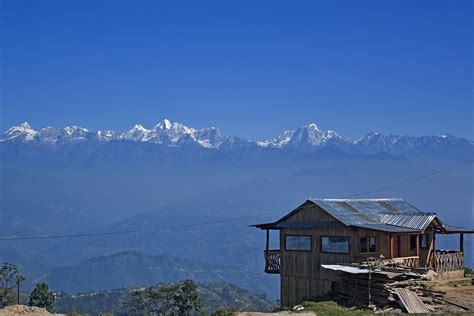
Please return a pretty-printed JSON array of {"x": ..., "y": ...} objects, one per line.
[
  {"x": 423, "y": 241},
  {"x": 413, "y": 242},
  {"x": 335, "y": 244},
  {"x": 301, "y": 243},
  {"x": 368, "y": 244}
]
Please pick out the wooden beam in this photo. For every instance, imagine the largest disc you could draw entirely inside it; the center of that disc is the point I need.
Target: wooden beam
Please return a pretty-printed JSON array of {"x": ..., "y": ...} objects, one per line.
[
  {"x": 268, "y": 240},
  {"x": 418, "y": 248},
  {"x": 461, "y": 242},
  {"x": 434, "y": 249},
  {"x": 390, "y": 246},
  {"x": 399, "y": 246}
]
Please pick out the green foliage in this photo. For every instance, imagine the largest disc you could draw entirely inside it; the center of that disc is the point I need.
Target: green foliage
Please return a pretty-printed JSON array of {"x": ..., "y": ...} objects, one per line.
[
  {"x": 41, "y": 297},
  {"x": 8, "y": 275},
  {"x": 117, "y": 301},
  {"x": 174, "y": 299},
  {"x": 469, "y": 272}
]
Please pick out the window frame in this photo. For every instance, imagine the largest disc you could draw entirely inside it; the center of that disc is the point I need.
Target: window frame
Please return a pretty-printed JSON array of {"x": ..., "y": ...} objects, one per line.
[
  {"x": 367, "y": 251},
  {"x": 303, "y": 250},
  {"x": 332, "y": 252}
]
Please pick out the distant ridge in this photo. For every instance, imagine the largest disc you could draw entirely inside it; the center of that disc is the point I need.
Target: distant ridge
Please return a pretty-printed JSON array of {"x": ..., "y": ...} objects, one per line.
[{"x": 173, "y": 134}]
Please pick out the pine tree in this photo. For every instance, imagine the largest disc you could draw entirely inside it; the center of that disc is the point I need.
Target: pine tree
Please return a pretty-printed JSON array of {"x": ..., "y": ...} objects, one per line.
[
  {"x": 8, "y": 275},
  {"x": 41, "y": 297}
]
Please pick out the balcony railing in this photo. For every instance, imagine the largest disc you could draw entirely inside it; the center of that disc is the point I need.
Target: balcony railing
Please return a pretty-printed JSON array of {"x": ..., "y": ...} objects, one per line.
[
  {"x": 445, "y": 262},
  {"x": 272, "y": 261},
  {"x": 409, "y": 262}
]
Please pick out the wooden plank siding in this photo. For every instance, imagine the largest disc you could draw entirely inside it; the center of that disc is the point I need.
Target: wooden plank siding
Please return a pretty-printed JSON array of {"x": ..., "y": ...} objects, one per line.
[{"x": 303, "y": 278}]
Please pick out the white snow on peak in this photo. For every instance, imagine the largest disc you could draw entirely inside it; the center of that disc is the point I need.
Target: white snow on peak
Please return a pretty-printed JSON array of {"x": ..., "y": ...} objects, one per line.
[
  {"x": 312, "y": 126},
  {"x": 309, "y": 135},
  {"x": 22, "y": 132},
  {"x": 165, "y": 124}
]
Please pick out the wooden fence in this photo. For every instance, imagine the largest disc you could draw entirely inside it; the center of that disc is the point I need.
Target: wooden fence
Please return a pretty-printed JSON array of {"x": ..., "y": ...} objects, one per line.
[
  {"x": 409, "y": 262},
  {"x": 449, "y": 262}
]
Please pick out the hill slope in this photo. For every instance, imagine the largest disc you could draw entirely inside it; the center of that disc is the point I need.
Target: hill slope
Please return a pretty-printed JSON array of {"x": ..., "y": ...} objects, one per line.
[
  {"x": 127, "y": 269},
  {"x": 214, "y": 295}
]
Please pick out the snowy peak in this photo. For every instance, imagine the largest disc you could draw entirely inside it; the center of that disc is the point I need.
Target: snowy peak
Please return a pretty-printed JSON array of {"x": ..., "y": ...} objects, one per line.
[
  {"x": 165, "y": 124},
  {"x": 22, "y": 132},
  {"x": 307, "y": 138}
]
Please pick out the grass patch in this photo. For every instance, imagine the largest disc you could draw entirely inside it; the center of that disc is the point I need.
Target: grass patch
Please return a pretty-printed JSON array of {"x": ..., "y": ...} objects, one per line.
[{"x": 331, "y": 308}]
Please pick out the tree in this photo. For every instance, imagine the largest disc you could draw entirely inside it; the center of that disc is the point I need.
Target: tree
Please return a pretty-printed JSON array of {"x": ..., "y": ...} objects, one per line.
[
  {"x": 144, "y": 302},
  {"x": 7, "y": 284},
  {"x": 41, "y": 297},
  {"x": 175, "y": 299}
]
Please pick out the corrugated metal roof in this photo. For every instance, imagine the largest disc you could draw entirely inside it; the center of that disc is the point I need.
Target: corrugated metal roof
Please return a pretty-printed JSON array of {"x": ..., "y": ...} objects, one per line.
[
  {"x": 387, "y": 228},
  {"x": 415, "y": 221},
  {"x": 391, "y": 215}
]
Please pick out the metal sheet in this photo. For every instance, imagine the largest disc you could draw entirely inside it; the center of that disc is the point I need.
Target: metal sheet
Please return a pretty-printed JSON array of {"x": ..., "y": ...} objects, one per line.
[
  {"x": 337, "y": 267},
  {"x": 411, "y": 301},
  {"x": 387, "y": 228},
  {"x": 339, "y": 212},
  {"x": 415, "y": 221}
]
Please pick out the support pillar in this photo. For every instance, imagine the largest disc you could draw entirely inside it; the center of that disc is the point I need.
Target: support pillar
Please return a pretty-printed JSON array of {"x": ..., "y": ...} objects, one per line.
[
  {"x": 418, "y": 248},
  {"x": 268, "y": 240},
  {"x": 390, "y": 246},
  {"x": 434, "y": 250},
  {"x": 461, "y": 242}
]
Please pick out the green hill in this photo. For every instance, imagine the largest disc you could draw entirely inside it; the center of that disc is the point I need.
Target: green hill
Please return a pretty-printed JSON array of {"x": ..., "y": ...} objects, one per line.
[{"x": 215, "y": 295}]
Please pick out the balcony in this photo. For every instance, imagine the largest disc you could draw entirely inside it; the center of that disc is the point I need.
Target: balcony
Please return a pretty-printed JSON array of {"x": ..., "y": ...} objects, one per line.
[{"x": 272, "y": 261}]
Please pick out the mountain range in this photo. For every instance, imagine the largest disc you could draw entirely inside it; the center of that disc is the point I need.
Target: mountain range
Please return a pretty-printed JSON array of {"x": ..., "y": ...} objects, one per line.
[
  {"x": 74, "y": 181},
  {"x": 306, "y": 138}
]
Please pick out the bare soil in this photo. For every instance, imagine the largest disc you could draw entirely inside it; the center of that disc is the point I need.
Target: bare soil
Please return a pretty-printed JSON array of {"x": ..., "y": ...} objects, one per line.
[
  {"x": 461, "y": 295},
  {"x": 24, "y": 310}
]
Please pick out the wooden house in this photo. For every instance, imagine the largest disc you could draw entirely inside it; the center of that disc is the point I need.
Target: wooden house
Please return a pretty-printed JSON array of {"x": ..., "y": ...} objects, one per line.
[{"x": 344, "y": 231}]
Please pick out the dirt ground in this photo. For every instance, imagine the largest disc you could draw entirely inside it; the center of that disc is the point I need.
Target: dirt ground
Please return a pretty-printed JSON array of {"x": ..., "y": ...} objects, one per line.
[
  {"x": 462, "y": 295},
  {"x": 22, "y": 310},
  {"x": 275, "y": 314}
]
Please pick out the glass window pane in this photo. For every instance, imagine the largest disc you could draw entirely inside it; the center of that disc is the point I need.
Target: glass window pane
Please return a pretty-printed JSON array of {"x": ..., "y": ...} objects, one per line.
[
  {"x": 413, "y": 242},
  {"x": 298, "y": 243},
  {"x": 363, "y": 244},
  {"x": 335, "y": 244},
  {"x": 424, "y": 241},
  {"x": 372, "y": 244}
]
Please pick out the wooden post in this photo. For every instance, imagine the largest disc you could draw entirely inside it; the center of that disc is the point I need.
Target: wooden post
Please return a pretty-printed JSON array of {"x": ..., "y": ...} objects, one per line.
[
  {"x": 461, "y": 242},
  {"x": 268, "y": 240},
  {"x": 390, "y": 246},
  {"x": 418, "y": 248},
  {"x": 399, "y": 246},
  {"x": 434, "y": 250}
]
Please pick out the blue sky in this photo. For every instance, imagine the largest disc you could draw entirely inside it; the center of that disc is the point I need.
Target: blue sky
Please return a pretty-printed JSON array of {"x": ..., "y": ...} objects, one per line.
[{"x": 252, "y": 68}]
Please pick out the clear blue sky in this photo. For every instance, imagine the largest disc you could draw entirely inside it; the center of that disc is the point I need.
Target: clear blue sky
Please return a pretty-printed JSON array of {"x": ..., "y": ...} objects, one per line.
[{"x": 252, "y": 68}]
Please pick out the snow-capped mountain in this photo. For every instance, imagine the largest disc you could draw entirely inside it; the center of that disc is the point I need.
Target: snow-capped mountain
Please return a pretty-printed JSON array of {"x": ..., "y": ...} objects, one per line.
[
  {"x": 306, "y": 138},
  {"x": 22, "y": 132},
  {"x": 165, "y": 132}
]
